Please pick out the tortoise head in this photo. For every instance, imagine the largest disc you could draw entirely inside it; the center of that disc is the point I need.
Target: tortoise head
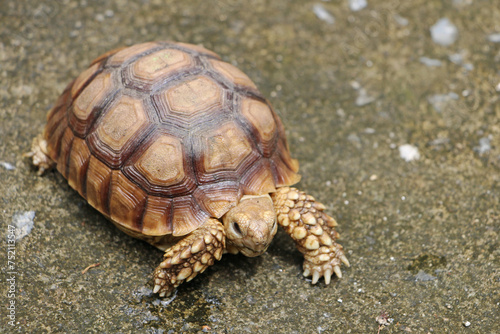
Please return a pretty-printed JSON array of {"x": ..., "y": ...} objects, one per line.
[{"x": 251, "y": 225}]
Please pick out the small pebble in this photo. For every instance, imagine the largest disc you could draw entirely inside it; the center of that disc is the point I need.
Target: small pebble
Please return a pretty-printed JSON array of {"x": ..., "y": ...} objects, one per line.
[
  {"x": 469, "y": 66},
  {"x": 462, "y": 2},
  {"x": 323, "y": 14},
  {"x": 467, "y": 323},
  {"x": 356, "y": 85},
  {"x": 369, "y": 130},
  {"x": 401, "y": 20},
  {"x": 439, "y": 101},
  {"x": 7, "y": 165},
  {"x": 409, "y": 152},
  {"x": 424, "y": 277},
  {"x": 430, "y": 62},
  {"x": 456, "y": 58},
  {"x": 444, "y": 32},
  {"x": 494, "y": 38},
  {"x": 484, "y": 145},
  {"x": 23, "y": 222},
  {"x": 356, "y": 5},
  {"x": 363, "y": 98},
  {"x": 354, "y": 138}
]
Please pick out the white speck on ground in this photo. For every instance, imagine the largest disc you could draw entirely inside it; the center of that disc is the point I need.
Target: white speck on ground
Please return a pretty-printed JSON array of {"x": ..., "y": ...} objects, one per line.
[
  {"x": 369, "y": 130},
  {"x": 323, "y": 14},
  {"x": 356, "y": 85},
  {"x": 468, "y": 66},
  {"x": 22, "y": 90},
  {"x": 439, "y": 101},
  {"x": 363, "y": 98},
  {"x": 7, "y": 165},
  {"x": 354, "y": 138},
  {"x": 456, "y": 58},
  {"x": 430, "y": 62},
  {"x": 401, "y": 20},
  {"x": 495, "y": 38},
  {"x": 484, "y": 145},
  {"x": 23, "y": 222},
  {"x": 356, "y": 5},
  {"x": 423, "y": 276},
  {"x": 409, "y": 152},
  {"x": 444, "y": 32},
  {"x": 462, "y": 2}
]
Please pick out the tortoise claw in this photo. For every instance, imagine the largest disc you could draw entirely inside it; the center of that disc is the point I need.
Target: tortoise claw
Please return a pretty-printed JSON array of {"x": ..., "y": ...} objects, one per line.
[
  {"x": 328, "y": 276},
  {"x": 344, "y": 260},
  {"x": 337, "y": 271},
  {"x": 315, "y": 278}
]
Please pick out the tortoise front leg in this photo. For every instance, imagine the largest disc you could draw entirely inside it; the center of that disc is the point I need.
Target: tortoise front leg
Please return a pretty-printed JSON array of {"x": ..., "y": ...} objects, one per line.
[
  {"x": 313, "y": 232},
  {"x": 189, "y": 257}
]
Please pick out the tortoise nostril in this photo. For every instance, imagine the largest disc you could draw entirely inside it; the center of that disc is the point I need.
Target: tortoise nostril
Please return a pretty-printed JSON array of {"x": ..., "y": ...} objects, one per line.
[{"x": 237, "y": 229}]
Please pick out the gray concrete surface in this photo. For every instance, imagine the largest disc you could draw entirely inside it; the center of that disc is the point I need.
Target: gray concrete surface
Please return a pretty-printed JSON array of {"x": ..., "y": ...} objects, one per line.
[{"x": 352, "y": 88}]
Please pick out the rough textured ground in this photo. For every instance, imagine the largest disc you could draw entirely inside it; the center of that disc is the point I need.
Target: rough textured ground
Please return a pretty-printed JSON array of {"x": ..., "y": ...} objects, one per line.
[{"x": 422, "y": 235}]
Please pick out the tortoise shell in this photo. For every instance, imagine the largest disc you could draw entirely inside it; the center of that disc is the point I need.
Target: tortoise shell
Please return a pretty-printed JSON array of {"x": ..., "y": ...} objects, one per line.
[{"x": 161, "y": 136}]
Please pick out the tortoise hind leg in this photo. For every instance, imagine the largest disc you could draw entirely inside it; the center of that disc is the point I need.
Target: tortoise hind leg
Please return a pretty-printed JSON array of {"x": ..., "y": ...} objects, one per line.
[
  {"x": 39, "y": 155},
  {"x": 189, "y": 257},
  {"x": 313, "y": 232}
]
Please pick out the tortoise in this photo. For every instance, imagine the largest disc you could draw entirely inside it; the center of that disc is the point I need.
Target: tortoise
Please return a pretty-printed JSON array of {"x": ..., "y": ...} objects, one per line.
[{"x": 180, "y": 149}]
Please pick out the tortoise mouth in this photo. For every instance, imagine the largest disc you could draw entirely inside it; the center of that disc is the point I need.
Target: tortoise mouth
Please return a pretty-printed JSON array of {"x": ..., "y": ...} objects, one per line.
[
  {"x": 251, "y": 251},
  {"x": 254, "y": 250}
]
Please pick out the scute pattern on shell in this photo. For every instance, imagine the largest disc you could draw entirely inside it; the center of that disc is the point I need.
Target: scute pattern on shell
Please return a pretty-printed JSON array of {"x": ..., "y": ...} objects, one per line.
[{"x": 161, "y": 136}]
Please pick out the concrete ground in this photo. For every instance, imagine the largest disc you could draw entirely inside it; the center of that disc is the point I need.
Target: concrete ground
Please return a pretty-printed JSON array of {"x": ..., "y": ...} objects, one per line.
[{"x": 397, "y": 131}]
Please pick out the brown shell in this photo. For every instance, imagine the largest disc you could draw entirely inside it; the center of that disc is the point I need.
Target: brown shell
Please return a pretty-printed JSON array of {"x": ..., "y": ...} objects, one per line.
[{"x": 160, "y": 136}]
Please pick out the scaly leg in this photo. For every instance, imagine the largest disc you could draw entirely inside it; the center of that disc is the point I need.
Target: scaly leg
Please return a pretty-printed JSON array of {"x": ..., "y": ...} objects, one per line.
[
  {"x": 189, "y": 257},
  {"x": 313, "y": 232}
]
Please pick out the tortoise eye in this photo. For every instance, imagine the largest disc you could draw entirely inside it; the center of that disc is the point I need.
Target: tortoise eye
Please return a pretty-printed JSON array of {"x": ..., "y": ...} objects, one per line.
[{"x": 237, "y": 229}]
